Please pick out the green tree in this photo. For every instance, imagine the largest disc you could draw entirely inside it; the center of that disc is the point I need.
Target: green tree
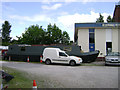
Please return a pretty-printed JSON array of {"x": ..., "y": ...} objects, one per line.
[
  {"x": 100, "y": 19},
  {"x": 54, "y": 34},
  {"x": 65, "y": 38},
  {"x": 33, "y": 35},
  {"x": 109, "y": 19},
  {"x": 49, "y": 34},
  {"x": 6, "y": 29},
  {"x": 38, "y": 35}
]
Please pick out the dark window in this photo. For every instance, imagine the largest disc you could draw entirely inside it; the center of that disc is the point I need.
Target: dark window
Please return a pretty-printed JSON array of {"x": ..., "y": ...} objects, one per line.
[
  {"x": 91, "y": 36},
  {"x": 22, "y": 48},
  {"x": 91, "y": 39},
  {"x": 108, "y": 47},
  {"x": 62, "y": 54},
  {"x": 91, "y": 30}
]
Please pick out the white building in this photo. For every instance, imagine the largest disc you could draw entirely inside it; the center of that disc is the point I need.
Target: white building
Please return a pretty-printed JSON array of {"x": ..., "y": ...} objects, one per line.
[{"x": 104, "y": 37}]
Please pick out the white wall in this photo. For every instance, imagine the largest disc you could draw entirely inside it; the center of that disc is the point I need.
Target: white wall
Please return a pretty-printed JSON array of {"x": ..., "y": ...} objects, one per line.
[
  {"x": 83, "y": 39},
  {"x": 108, "y": 35},
  {"x": 119, "y": 39},
  {"x": 100, "y": 41},
  {"x": 114, "y": 40}
]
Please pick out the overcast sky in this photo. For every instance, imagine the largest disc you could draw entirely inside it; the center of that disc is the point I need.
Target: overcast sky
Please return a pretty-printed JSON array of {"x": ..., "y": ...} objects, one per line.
[{"x": 64, "y": 14}]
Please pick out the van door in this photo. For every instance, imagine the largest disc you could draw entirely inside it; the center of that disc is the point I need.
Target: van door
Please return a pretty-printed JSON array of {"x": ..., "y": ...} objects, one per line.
[{"x": 63, "y": 58}]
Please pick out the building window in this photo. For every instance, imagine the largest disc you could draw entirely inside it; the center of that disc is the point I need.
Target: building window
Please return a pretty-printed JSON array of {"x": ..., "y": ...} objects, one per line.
[
  {"x": 91, "y": 30},
  {"x": 91, "y": 36},
  {"x": 91, "y": 39},
  {"x": 108, "y": 47}
]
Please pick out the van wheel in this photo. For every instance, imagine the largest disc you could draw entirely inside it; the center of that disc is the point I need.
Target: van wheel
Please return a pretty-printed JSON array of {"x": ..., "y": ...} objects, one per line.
[
  {"x": 72, "y": 63},
  {"x": 47, "y": 62}
]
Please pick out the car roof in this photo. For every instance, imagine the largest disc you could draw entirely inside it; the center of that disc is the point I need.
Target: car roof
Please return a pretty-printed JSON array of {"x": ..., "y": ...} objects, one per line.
[{"x": 53, "y": 48}]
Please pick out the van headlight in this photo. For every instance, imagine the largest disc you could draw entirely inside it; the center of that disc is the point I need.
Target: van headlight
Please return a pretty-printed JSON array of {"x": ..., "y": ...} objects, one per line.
[{"x": 80, "y": 59}]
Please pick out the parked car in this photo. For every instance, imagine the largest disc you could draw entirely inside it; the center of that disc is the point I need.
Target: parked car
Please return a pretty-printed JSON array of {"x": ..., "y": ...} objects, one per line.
[
  {"x": 113, "y": 58},
  {"x": 55, "y": 55}
]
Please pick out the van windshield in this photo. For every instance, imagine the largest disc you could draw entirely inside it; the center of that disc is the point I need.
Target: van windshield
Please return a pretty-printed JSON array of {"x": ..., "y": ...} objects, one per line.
[{"x": 62, "y": 54}]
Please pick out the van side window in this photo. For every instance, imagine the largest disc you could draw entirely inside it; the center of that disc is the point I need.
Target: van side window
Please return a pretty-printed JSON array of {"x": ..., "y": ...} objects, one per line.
[{"x": 62, "y": 54}]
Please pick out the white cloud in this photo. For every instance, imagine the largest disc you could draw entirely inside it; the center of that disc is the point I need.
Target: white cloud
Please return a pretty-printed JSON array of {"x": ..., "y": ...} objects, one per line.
[
  {"x": 59, "y": 0},
  {"x": 68, "y": 21},
  {"x": 85, "y": 1},
  {"x": 70, "y": 0},
  {"x": 54, "y": 7},
  {"x": 35, "y": 18},
  {"x": 65, "y": 21},
  {"x": 1, "y": 21},
  {"x": 80, "y": 18}
]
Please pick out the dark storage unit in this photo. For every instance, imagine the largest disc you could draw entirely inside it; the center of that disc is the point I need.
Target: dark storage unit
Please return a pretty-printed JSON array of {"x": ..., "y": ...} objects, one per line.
[{"x": 22, "y": 52}]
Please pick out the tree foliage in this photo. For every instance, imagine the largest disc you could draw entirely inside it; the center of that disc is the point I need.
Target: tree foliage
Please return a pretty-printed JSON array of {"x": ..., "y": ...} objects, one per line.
[
  {"x": 54, "y": 34},
  {"x": 38, "y": 35},
  {"x": 109, "y": 19},
  {"x": 33, "y": 35},
  {"x": 100, "y": 19},
  {"x": 65, "y": 38},
  {"x": 6, "y": 29}
]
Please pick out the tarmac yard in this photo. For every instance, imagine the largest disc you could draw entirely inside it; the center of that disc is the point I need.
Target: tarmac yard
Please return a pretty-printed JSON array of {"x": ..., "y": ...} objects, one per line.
[{"x": 64, "y": 76}]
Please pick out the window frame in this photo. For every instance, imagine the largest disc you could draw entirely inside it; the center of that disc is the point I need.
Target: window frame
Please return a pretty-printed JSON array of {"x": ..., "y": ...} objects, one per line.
[{"x": 65, "y": 55}]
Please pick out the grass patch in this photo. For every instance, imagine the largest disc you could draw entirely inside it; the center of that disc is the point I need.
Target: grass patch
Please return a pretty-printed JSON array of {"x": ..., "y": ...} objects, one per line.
[
  {"x": 90, "y": 64},
  {"x": 0, "y": 67},
  {"x": 21, "y": 79},
  {"x": 22, "y": 61},
  {"x": 12, "y": 61}
]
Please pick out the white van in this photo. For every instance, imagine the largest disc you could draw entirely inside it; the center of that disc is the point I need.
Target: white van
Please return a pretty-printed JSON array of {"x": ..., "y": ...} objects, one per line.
[{"x": 55, "y": 55}]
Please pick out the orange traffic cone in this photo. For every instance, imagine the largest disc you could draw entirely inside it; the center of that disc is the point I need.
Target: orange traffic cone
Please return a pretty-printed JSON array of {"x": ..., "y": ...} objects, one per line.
[
  {"x": 34, "y": 84},
  {"x": 41, "y": 59},
  {"x": 28, "y": 59}
]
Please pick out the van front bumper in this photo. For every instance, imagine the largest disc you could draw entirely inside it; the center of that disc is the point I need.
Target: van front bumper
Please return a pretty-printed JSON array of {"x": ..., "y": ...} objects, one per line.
[{"x": 79, "y": 62}]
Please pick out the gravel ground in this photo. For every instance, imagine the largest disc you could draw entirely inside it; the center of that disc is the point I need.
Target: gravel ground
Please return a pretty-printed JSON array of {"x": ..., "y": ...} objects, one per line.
[
  {"x": 97, "y": 63},
  {"x": 64, "y": 76}
]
